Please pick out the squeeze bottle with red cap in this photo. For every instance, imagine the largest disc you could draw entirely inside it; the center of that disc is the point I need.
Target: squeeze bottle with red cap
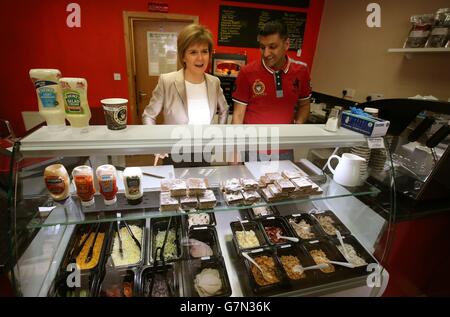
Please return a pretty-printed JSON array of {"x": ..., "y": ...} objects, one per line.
[
  {"x": 84, "y": 182},
  {"x": 107, "y": 181}
]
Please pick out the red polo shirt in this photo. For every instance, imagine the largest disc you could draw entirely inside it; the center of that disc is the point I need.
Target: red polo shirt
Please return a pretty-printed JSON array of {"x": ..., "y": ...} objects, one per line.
[{"x": 270, "y": 96}]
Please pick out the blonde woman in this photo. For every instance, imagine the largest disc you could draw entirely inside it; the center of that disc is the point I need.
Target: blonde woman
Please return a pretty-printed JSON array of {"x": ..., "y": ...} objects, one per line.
[{"x": 189, "y": 96}]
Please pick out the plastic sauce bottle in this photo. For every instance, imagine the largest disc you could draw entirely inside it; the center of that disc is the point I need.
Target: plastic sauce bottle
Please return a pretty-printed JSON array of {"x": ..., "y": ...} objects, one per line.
[
  {"x": 48, "y": 91},
  {"x": 132, "y": 178},
  {"x": 74, "y": 92},
  {"x": 84, "y": 182},
  {"x": 107, "y": 181},
  {"x": 57, "y": 181}
]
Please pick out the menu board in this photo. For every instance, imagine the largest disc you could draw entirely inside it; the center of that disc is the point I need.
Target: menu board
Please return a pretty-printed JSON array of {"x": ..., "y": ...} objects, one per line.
[
  {"x": 240, "y": 26},
  {"x": 286, "y": 3}
]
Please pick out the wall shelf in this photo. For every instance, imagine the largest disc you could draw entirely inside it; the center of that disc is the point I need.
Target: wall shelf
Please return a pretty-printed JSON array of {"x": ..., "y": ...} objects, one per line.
[{"x": 419, "y": 50}]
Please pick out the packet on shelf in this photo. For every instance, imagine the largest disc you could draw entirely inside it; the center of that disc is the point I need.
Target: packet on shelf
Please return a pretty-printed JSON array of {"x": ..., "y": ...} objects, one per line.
[
  {"x": 272, "y": 177},
  {"x": 284, "y": 185},
  {"x": 234, "y": 198},
  {"x": 188, "y": 202},
  {"x": 231, "y": 186},
  {"x": 207, "y": 200},
  {"x": 293, "y": 174},
  {"x": 249, "y": 184},
  {"x": 196, "y": 186},
  {"x": 250, "y": 197},
  {"x": 168, "y": 203},
  {"x": 178, "y": 188},
  {"x": 57, "y": 181}
]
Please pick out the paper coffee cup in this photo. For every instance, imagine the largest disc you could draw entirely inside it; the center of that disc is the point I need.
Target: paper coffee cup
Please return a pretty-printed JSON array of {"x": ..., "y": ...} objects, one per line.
[{"x": 115, "y": 110}]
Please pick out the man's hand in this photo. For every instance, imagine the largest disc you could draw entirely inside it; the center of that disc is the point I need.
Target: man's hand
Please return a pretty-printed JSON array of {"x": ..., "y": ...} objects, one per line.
[
  {"x": 238, "y": 113},
  {"x": 303, "y": 111}
]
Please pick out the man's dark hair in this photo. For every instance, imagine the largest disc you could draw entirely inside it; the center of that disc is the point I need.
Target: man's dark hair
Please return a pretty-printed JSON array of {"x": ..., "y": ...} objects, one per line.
[{"x": 274, "y": 27}]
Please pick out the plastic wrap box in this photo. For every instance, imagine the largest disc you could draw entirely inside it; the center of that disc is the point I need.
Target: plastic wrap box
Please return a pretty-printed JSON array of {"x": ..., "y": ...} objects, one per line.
[{"x": 369, "y": 126}]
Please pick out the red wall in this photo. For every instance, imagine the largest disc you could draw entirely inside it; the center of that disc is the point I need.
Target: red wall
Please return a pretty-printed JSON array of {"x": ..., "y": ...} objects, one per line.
[{"x": 34, "y": 34}]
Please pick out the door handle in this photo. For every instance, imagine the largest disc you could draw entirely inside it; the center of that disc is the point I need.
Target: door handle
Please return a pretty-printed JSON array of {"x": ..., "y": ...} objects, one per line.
[{"x": 142, "y": 95}]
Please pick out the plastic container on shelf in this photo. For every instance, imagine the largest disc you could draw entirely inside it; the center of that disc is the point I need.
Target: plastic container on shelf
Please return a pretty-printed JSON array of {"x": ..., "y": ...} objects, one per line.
[
  {"x": 107, "y": 181},
  {"x": 83, "y": 178},
  {"x": 132, "y": 178},
  {"x": 57, "y": 181},
  {"x": 49, "y": 95},
  {"x": 74, "y": 92},
  {"x": 372, "y": 111}
]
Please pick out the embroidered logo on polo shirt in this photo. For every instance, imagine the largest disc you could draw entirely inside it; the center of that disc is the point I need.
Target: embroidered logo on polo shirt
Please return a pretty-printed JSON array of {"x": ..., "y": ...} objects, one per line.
[{"x": 259, "y": 88}]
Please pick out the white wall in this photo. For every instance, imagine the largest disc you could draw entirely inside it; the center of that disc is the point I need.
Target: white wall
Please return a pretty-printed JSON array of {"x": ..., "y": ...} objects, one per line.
[{"x": 352, "y": 55}]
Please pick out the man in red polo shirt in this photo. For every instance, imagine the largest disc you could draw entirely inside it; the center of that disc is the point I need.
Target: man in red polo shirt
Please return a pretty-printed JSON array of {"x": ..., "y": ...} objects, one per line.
[{"x": 269, "y": 90}]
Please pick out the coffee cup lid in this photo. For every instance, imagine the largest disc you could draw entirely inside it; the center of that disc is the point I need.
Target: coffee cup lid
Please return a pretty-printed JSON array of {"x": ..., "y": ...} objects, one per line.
[{"x": 114, "y": 101}]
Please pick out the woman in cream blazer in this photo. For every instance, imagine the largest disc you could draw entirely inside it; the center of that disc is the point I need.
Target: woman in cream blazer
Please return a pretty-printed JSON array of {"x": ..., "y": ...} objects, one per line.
[{"x": 170, "y": 96}]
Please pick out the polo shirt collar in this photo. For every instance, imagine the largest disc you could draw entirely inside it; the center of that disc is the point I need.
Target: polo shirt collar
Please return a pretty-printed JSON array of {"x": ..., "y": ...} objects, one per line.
[{"x": 285, "y": 68}]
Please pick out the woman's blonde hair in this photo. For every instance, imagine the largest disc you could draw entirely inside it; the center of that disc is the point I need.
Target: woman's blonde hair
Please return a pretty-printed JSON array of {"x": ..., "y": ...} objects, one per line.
[{"x": 193, "y": 34}]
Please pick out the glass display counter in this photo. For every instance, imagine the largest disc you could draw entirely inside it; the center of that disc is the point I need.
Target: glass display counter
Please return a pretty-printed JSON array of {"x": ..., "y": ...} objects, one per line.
[{"x": 49, "y": 237}]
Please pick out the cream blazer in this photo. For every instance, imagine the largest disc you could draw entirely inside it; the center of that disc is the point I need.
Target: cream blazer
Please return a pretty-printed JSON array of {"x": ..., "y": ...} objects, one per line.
[{"x": 169, "y": 96}]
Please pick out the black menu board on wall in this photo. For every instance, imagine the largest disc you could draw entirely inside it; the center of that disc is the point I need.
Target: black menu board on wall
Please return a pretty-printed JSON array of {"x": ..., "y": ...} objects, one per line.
[
  {"x": 287, "y": 3},
  {"x": 240, "y": 26}
]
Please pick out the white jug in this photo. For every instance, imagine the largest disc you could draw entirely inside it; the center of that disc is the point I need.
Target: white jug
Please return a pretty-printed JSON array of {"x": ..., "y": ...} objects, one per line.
[{"x": 348, "y": 170}]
